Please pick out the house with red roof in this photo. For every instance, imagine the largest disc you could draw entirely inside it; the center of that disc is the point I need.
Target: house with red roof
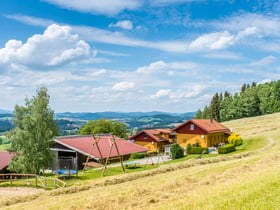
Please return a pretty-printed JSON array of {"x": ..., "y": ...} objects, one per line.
[
  {"x": 5, "y": 159},
  {"x": 204, "y": 132},
  {"x": 81, "y": 147},
  {"x": 154, "y": 139}
]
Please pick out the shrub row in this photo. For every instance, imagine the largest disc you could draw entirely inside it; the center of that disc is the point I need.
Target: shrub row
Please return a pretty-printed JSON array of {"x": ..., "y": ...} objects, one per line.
[
  {"x": 198, "y": 150},
  {"x": 226, "y": 149},
  {"x": 138, "y": 155}
]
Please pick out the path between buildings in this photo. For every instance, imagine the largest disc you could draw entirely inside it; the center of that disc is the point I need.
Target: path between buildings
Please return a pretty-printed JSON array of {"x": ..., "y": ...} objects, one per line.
[{"x": 148, "y": 160}]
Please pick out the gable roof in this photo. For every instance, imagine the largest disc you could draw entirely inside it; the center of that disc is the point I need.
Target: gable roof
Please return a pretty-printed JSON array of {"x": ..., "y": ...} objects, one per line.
[
  {"x": 5, "y": 158},
  {"x": 208, "y": 125},
  {"x": 153, "y": 132},
  {"x": 83, "y": 145}
]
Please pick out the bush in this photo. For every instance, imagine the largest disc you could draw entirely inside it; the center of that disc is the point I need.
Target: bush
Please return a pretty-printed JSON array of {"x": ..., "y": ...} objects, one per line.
[
  {"x": 138, "y": 155},
  {"x": 176, "y": 151},
  {"x": 198, "y": 150},
  {"x": 226, "y": 149},
  {"x": 235, "y": 139}
]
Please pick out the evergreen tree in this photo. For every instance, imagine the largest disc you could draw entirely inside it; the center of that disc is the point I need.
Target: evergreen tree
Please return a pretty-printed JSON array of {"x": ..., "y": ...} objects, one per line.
[
  {"x": 214, "y": 110},
  {"x": 32, "y": 135},
  {"x": 198, "y": 114}
]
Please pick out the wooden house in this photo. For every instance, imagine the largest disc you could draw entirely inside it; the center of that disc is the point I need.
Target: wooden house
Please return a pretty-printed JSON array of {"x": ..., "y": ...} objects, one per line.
[
  {"x": 154, "y": 139},
  {"x": 204, "y": 132}
]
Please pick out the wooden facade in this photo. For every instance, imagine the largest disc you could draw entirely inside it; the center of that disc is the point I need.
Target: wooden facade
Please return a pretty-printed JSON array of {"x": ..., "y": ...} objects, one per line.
[
  {"x": 203, "y": 132},
  {"x": 153, "y": 139}
]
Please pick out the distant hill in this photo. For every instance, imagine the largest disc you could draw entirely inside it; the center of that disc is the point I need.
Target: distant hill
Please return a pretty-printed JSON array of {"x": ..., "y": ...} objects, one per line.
[
  {"x": 69, "y": 123},
  {"x": 116, "y": 115},
  {"x": 2, "y": 111}
]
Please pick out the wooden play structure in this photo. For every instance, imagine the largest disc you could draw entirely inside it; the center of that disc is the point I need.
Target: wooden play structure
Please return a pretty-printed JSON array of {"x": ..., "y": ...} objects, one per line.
[{"x": 104, "y": 161}]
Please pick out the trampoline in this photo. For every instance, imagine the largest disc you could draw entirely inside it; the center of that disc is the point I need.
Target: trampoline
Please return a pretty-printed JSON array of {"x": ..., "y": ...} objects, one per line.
[{"x": 66, "y": 172}]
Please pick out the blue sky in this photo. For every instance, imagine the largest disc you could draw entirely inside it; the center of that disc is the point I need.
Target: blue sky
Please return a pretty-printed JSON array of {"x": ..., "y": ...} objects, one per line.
[{"x": 135, "y": 55}]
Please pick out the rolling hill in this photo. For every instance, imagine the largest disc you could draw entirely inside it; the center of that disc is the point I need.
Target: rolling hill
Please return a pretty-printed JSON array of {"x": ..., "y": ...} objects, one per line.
[{"x": 248, "y": 180}]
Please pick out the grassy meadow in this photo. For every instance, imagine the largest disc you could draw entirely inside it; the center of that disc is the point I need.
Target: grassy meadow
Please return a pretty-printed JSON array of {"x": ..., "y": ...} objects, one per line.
[{"x": 247, "y": 179}]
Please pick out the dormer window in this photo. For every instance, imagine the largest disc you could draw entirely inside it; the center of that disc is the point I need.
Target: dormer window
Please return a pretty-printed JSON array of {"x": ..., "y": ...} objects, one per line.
[
  {"x": 192, "y": 127},
  {"x": 145, "y": 136}
]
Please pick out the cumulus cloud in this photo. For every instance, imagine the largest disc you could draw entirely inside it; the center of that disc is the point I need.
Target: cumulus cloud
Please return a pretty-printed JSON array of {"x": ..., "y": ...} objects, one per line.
[
  {"x": 124, "y": 24},
  {"x": 214, "y": 41},
  {"x": 161, "y": 93},
  {"x": 108, "y": 7},
  {"x": 188, "y": 92},
  {"x": 56, "y": 46},
  {"x": 123, "y": 86}
]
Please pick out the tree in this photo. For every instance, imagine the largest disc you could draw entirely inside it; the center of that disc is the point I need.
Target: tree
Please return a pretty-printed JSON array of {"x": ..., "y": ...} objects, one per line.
[
  {"x": 103, "y": 126},
  {"x": 32, "y": 135},
  {"x": 198, "y": 114}
]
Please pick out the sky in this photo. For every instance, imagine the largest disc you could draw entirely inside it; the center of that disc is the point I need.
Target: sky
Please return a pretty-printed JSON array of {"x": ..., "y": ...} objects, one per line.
[{"x": 135, "y": 55}]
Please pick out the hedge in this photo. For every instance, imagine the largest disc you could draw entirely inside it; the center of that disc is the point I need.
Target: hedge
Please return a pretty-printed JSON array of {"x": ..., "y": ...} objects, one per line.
[
  {"x": 226, "y": 149},
  {"x": 138, "y": 155},
  {"x": 198, "y": 150}
]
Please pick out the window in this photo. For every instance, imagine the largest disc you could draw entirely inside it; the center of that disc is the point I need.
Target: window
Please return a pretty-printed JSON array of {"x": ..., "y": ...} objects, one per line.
[{"x": 191, "y": 126}]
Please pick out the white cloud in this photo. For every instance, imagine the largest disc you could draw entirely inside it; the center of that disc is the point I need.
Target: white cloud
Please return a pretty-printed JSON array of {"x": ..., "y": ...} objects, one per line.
[
  {"x": 264, "y": 61},
  {"x": 123, "y": 86},
  {"x": 31, "y": 20},
  {"x": 168, "y": 2},
  {"x": 213, "y": 41},
  {"x": 264, "y": 81},
  {"x": 105, "y": 52},
  {"x": 223, "y": 55},
  {"x": 124, "y": 24},
  {"x": 187, "y": 92},
  {"x": 161, "y": 93},
  {"x": 56, "y": 46},
  {"x": 108, "y": 7},
  {"x": 153, "y": 67}
]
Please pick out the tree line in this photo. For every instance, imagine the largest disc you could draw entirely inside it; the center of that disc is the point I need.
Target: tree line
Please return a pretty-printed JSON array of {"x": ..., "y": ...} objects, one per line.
[{"x": 251, "y": 100}]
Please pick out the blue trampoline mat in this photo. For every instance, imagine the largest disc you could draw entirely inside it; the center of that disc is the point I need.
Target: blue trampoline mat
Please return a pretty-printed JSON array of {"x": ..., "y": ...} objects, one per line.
[{"x": 66, "y": 172}]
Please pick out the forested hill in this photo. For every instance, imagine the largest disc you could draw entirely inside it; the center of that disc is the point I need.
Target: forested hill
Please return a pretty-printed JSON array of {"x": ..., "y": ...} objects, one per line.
[{"x": 252, "y": 100}]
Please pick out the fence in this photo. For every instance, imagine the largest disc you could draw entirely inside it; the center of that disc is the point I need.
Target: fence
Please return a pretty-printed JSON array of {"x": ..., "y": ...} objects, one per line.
[{"x": 41, "y": 181}]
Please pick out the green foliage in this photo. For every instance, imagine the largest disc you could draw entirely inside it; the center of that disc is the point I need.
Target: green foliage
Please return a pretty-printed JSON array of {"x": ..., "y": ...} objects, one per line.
[
  {"x": 32, "y": 135},
  {"x": 235, "y": 139},
  {"x": 226, "y": 149},
  {"x": 1, "y": 140},
  {"x": 198, "y": 150},
  {"x": 103, "y": 126},
  {"x": 176, "y": 151},
  {"x": 138, "y": 155},
  {"x": 189, "y": 147},
  {"x": 252, "y": 100}
]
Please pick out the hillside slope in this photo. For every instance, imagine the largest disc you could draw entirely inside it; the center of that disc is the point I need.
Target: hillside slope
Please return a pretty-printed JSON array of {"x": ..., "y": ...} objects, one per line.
[{"x": 242, "y": 181}]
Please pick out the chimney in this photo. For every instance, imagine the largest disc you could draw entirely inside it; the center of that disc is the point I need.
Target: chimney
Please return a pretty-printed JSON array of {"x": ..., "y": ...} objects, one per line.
[{"x": 211, "y": 120}]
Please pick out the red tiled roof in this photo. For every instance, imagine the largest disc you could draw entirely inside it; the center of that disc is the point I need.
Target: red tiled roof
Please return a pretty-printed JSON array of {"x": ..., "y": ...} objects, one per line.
[
  {"x": 82, "y": 144},
  {"x": 5, "y": 158},
  {"x": 208, "y": 125},
  {"x": 153, "y": 132}
]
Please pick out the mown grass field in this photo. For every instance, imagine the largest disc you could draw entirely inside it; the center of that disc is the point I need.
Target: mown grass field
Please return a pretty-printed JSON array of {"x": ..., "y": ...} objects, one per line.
[{"x": 247, "y": 179}]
